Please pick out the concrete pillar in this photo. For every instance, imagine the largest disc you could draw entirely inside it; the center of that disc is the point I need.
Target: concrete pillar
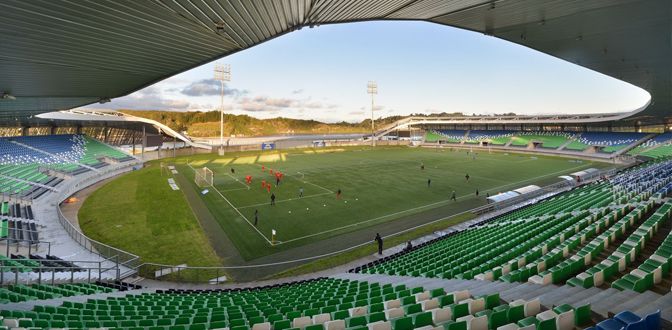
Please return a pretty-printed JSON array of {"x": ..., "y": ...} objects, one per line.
[
  {"x": 52, "y": 130},
  {"x": 144, "y": 141}
]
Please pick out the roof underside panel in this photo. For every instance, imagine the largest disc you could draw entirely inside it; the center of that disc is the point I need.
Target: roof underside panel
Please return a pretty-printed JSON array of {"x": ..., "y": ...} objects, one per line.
[
  {"x": 627, "y": 39},
  {"x": 60, "y": 54}
]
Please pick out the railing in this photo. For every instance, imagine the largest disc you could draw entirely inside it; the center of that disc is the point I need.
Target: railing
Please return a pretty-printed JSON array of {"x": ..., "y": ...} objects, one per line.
[
  {"x": 120, "y": 257},
  {"x": 29, "y": 244},
  {"x": 92, "y": 271}
]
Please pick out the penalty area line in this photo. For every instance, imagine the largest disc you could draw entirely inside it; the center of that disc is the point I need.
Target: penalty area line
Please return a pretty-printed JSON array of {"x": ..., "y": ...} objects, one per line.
[
  {"x": 237, "y": 180},
  {"x": 238, "y": 211}
]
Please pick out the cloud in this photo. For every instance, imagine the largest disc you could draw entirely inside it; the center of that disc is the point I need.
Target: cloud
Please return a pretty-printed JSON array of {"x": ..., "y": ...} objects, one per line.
[
  {"x": 356, "y": 113},
  {"x": 297, "y": 91},
  {"x": 150, "y": 98},
  {"x": 267, "y": 104},
  {"x": 208, "y": 87}
]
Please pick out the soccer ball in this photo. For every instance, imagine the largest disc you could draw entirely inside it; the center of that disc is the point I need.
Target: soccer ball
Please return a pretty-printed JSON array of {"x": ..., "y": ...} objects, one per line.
[
  {"x": 325, "y": 205},
  {"x": 346, "y": 202},
  {"x": 289, "y": 211},
  {"x": 307, "y": 209}
]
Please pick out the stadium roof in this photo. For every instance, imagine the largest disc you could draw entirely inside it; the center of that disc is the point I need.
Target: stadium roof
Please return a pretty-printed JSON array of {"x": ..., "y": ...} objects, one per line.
[
  {"x": 60, "y": 54},
  {"x": 106, "y": 118}
]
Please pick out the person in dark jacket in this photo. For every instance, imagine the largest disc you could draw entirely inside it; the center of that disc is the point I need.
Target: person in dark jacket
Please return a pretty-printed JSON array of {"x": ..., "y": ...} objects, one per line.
[{"x": 379, "y": 240}]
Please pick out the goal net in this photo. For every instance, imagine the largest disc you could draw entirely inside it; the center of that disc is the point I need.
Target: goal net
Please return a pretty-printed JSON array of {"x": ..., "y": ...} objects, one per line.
[{"x": 204, "y": 177}]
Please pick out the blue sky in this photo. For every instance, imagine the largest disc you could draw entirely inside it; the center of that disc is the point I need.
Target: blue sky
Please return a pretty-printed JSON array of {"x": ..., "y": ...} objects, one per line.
[{"x": 321, "y": 73}]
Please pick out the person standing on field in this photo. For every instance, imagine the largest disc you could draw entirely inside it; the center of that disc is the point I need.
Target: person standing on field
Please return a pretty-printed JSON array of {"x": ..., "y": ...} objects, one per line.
[
  {"x": 273, "y": 199},
  {"x": 256, "y": 217},
  {"x": 300, "y": 192},
  {"x": 379, "y": 240}
]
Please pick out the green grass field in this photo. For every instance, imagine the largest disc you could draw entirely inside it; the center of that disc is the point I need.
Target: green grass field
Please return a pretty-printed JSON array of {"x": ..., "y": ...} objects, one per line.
[{"x": 379, "y": 188}]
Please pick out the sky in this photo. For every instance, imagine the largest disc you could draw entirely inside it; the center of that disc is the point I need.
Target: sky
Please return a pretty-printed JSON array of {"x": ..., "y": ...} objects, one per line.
[{"x": 321, "y": 73}]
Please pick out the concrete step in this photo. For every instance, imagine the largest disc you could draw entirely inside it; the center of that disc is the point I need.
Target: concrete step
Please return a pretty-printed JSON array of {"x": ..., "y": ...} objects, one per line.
[
  {"x": 605, "y": 294},
  {"x": 490, "y": 288},
  {"x": 635, "y": 302},
  {"x": 652, "y": 306},
  {"x": 603, "y": 306},
  {"x": 517, "y": 290},
  {"x": 552, "y": 297},
  {"x": 540, "y": 290},
  {"x": 581, "y": 295}
]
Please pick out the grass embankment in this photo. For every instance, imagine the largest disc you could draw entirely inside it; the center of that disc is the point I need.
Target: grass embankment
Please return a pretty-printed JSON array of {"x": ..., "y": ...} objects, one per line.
[{"x": 141, "y": 214}]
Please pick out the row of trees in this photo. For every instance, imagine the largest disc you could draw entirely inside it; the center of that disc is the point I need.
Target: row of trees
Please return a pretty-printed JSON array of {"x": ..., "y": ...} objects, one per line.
[{"x": 201, "y": 124}]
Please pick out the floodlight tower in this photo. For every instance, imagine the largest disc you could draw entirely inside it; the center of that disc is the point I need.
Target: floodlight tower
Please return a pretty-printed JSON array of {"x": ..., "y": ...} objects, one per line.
[
  {"x": 372, "y": 89},
  {"x": 222, "y": 73}
]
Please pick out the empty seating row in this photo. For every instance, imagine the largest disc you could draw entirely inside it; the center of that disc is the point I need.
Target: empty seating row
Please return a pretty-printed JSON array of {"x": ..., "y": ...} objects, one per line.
[
  {"x": 36, "y": 263},
  {"x": 550, "y": 140},
  {"x": 452, "y": 136},
  {"x": 323, "y": 304},
  {"x": 654, "y": 268},
  {"x": 16, "y": 230},
  {"x": 611, "y": 141},
  {"x": 499, "y": 137},
  {"x": 622, "y": 256},
  {"x": 19, "y": 293}
]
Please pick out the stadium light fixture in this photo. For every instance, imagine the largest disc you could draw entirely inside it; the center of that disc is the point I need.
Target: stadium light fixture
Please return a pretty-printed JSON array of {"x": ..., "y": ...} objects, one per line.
[
  {"x": 222, "y": 73},
  {"x": 372, "y": 89}
]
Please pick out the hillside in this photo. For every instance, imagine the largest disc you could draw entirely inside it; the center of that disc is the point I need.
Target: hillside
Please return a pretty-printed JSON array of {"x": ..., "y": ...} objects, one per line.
[{"x": 205, "y": 124}]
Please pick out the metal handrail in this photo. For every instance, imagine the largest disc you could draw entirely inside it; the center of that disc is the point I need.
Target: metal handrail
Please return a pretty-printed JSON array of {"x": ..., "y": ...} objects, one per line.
[{"x": 91, "y": 245}]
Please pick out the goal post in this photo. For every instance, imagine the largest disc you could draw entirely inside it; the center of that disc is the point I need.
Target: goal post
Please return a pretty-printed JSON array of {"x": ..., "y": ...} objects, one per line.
[{"x": 203, "y": 177}]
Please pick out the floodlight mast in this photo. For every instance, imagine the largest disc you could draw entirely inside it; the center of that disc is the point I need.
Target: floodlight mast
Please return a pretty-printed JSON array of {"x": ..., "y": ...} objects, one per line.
[
  {"x": 222, "y": 73},
  {"x": 372, "y": 89}
]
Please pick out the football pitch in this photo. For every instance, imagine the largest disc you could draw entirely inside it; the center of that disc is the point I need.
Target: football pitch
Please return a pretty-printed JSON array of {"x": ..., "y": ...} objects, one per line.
[{"x": 377, "y": 186}]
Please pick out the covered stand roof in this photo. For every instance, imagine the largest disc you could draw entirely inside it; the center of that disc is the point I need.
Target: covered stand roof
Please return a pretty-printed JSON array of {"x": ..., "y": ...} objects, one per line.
[{"x": 57, "y": 55}]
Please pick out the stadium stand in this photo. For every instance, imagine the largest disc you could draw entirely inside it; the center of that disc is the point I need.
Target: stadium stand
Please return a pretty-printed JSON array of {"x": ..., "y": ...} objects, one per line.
[
  {"x": 498, "y": 137},
  {"x": 657, "y": 147},
  {"x": 34, "y": 262},
  {"x": 19, "y": 293},
  {"x": 324, "y": 303},
  {"x": 550, "y": 140},
  {"x": 535, "y": 243},
  {"x": 452, "y": 136},
  {"x": 25, "y": 160},
  {"x": 611, "y": 141}
]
